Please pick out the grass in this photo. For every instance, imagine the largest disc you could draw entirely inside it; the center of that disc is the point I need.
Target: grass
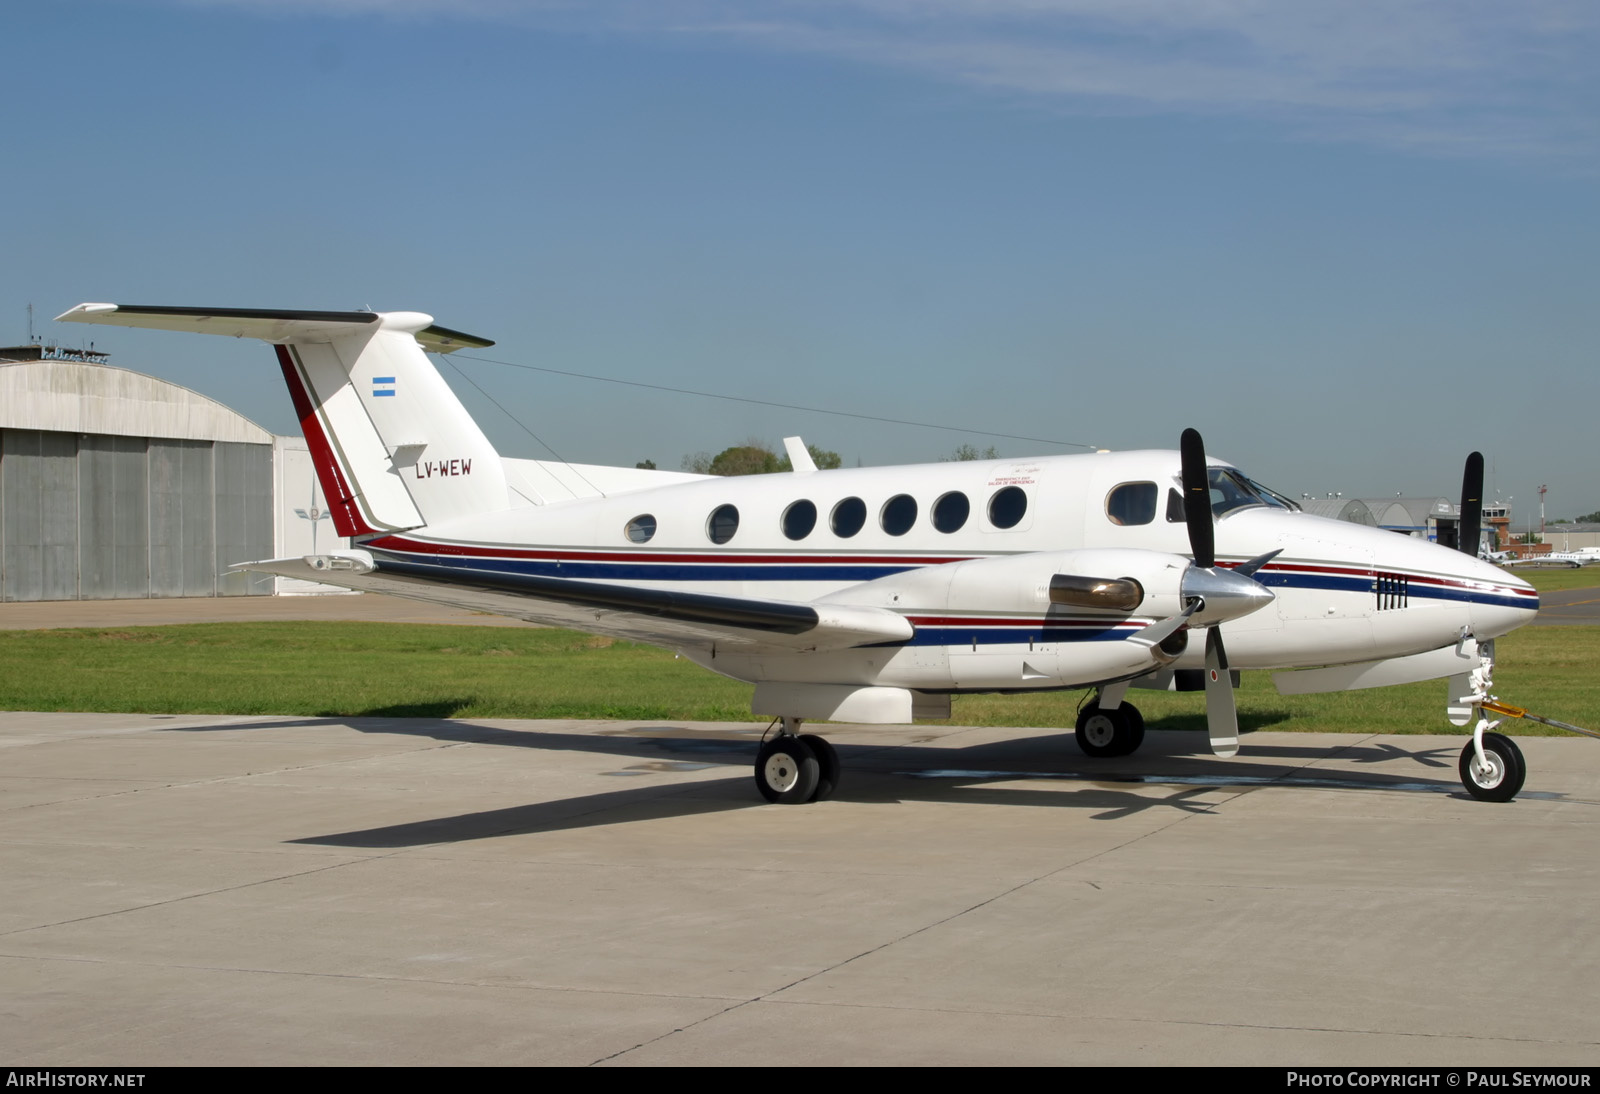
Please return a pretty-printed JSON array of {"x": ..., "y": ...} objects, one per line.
[
  {"x": 1549, "y": 579},
  {"x": 373, "y": 669}
]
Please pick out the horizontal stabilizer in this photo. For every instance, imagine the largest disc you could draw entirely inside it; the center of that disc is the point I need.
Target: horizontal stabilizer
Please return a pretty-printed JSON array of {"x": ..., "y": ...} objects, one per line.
[{"x": 270, "y": 325}]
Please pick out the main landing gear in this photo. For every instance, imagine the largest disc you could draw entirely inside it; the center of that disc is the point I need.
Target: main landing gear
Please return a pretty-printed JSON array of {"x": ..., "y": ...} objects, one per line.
[
  {"x": 1110, "y": 731},
  {"x": 796, "y": 767}
]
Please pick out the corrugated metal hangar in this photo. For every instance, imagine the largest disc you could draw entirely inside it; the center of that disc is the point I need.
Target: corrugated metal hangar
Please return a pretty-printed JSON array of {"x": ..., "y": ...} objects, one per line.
[{"x": 114, "y": 484}]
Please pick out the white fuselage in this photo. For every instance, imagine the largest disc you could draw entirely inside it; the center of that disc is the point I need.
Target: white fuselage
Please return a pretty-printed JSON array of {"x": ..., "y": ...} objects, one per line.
[{"x": 978, "y": 593}]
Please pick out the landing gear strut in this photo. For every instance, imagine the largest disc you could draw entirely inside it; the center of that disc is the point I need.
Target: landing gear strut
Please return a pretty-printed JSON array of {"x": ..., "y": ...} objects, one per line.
[
  {"x": 1110, "y": 731},
  {"x": 1492, "y": 768},
  {"x": 796, "y": 767}
]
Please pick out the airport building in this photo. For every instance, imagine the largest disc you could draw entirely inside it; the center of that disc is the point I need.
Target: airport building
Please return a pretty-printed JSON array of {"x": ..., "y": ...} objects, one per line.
[{"x": 114, "y": 484}]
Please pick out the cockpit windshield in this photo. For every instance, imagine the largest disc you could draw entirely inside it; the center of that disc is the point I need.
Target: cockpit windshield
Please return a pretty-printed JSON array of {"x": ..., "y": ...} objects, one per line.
[{"x": 1231, "y": 490}]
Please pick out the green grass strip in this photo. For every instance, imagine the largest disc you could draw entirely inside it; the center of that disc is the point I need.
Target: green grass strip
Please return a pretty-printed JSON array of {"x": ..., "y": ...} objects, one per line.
[{"x": 389, "y": 670}]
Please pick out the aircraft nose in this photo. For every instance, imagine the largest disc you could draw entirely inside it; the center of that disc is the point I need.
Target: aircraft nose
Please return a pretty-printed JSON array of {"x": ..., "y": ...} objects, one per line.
[{"x": 1502, "y": 602}]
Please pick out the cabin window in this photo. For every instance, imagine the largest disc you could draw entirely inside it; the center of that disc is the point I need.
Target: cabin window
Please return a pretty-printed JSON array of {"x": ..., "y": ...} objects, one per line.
[
  {"x": 723, "y": 524},
  {"x": 899, "y": 513},
  {"x": 1008, "y": 507},
  {"x": 950, "y": 512},
  {"x": 799, "y": 519},
  {"x": 1132, "y": 503},
  {"x": 1174, "y": 507},
  {"x": 848, "y": 517},
  {"x": 641, "y": 529}
]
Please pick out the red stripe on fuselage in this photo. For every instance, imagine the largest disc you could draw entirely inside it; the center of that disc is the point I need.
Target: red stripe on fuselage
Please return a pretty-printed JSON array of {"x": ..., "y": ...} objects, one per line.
[
  {"x": 1020, "y": 621},
  {"x": 461, "y": 550},
  {"x": 347, "y": 518}
]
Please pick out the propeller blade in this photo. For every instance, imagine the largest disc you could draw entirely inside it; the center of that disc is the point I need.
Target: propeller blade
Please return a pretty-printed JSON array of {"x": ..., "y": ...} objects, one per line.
[
  {"x": 1248, "y": 569},
  {"x": 1197, "y": 500},
  {"x": 1471, "y": 526},
  {"x": 1157, "y": 633},
  {"x": 1222, "y": 716}
]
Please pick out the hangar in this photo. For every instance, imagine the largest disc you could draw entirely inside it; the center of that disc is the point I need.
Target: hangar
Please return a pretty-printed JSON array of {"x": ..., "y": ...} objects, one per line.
[{"x": 114, "y": 484}]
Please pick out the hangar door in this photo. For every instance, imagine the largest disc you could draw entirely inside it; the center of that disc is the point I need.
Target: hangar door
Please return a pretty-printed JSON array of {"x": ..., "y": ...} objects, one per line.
[{"x": 87, "y": 516}]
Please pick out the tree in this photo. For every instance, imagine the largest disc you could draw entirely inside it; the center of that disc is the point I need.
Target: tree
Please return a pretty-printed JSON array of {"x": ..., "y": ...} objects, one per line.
[
  {"x": 754, "y": 457},
  {"x": 1590, "y": 518},
  {"x": 646, "y": 465},
  {"x": 745, "y": 459},
  {"x": 966, "y": 452}
]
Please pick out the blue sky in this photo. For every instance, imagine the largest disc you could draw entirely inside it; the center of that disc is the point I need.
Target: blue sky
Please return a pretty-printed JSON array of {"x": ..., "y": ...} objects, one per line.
[{"x": 1348, "y": 241}]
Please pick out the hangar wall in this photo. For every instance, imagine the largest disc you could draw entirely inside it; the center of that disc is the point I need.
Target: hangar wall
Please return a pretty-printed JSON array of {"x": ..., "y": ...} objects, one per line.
[
  {"x": 114, "y": 484},
  {"x": 90, "y": 516}
]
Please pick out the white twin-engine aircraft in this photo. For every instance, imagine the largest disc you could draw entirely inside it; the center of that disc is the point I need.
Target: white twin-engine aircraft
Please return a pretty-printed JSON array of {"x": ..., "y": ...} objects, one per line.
[{"x": 871, "y": 595}]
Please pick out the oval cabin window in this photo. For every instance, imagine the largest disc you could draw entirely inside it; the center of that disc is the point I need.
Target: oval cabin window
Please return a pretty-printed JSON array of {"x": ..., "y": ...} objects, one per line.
[
  {"x": 1008, "y": 507},
  {"x": 799, "y": 519},
  {"x": 950, "y": 512},
  {"x": 898, "y": 515},
  {"x": 723, "y": 524},
  {"x": 848, "y": 518}
]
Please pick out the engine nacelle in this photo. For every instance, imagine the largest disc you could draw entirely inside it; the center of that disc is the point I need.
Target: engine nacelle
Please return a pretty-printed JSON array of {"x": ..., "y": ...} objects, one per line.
[
  {"x": 1012, "y": 622},
  {"x": 1022, "y": 585}
]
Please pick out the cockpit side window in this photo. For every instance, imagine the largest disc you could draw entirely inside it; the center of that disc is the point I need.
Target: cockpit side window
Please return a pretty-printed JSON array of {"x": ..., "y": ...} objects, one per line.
[
  {"x": 1132, "y": 503},
  {"x": 1230, "y": 490}
]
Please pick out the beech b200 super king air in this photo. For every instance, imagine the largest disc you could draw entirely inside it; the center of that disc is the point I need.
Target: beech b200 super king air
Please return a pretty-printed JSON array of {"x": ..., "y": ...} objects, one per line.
[{"x": 871, "y": 595}]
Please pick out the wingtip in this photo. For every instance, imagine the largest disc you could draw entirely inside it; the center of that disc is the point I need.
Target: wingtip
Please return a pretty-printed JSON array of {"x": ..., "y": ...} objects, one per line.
[{"x": 78, "y": 314}]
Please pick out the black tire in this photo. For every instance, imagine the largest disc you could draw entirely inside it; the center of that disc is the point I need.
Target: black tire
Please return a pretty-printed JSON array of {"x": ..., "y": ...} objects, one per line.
[
  {"x": 1106, "y": 733},
  {"x": 1135, "y": 729},
  {"x": 787, "y": 771},
  {"x": 1501, "y": 784},
  {"x": 827, "y": 766}
]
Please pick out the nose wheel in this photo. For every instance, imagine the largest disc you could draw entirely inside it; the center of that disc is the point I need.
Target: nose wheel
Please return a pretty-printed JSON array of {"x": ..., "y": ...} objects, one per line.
[{"x": 1499, "y": 775}]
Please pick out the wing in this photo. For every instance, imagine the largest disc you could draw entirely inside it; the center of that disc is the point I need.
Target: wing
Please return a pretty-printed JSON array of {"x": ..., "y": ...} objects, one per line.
[{"x": 658, "y": 616}]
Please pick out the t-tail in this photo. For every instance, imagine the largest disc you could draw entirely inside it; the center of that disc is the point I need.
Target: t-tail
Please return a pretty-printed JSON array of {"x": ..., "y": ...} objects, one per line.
[{"x": 393, "y": 446}]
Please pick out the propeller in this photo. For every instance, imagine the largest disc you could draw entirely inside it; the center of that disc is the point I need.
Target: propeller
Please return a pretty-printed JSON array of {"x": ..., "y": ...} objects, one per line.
[
  {"x": 1215, "y": 594},
  {"x": 1471, "y": 526},
  {"x": 1197, "y": 500},
  {"x": 1210, "y": 595}
]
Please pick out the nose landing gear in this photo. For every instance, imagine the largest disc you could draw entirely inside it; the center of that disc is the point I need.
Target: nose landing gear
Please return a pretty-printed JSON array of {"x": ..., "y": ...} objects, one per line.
[{"x": 1492, "y": 768}]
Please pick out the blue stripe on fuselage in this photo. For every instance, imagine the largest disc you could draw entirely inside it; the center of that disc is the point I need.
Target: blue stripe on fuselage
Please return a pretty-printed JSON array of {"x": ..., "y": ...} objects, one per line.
[{"x": 733, "y": 570}]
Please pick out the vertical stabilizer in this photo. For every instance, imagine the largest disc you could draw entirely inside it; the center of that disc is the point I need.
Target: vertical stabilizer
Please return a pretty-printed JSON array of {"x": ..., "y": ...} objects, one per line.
[
  {"x": 408, "y": 451},
  {"x": 393, "y": 446}
]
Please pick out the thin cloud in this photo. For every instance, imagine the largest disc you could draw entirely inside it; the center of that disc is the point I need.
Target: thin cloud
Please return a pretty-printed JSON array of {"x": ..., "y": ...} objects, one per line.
[{"x": 1438, "y": 77}]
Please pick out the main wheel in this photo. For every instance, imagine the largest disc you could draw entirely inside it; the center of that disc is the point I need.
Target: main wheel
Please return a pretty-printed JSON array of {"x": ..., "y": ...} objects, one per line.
[
  {"x": 1103, "y": 733},
  {"x": 827, "y": 766},
  {"x": 1507, "y": 769},
  {"x": 787, "y": 771}
]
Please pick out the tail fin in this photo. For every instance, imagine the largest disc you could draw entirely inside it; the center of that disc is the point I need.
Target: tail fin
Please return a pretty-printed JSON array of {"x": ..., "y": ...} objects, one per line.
[{"x": 393, "y": 446}]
